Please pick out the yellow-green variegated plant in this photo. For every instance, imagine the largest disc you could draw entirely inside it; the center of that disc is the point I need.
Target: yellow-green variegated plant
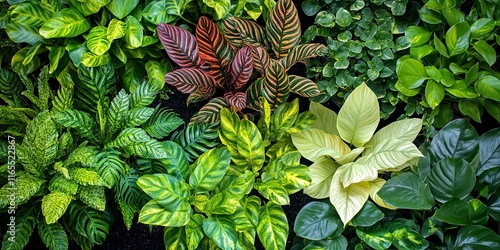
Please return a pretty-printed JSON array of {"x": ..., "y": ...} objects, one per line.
[{"x": 349, "y": 157}]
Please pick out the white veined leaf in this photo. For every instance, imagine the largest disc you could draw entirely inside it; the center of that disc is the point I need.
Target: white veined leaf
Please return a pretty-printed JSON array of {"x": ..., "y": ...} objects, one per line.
[
  {"x": 375, "y": 186},
  {"x": 326, "y": 119},
  {"x": 348, "y": 201},
  {"x": 350, "y": 157},
  {"x": 390, "y": 153},
  {"x": 321, "y": 174},
  {"x": 359, "y": 117},
  {"x": 314, "y": 143},
  {"x": 354, "y": 172},
  {"x": 406, "y": 130}
]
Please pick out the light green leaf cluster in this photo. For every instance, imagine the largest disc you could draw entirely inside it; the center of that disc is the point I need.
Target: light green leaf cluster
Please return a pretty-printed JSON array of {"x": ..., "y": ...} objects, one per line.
[{"x": 348, "y": 155}]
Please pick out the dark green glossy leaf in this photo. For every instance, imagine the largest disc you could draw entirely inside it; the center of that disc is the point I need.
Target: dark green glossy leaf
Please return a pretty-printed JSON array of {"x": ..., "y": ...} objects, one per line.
[
  {"x": 477, "y": 238},
  {"x": 120, "y": 8},
  {"x": 457, "y": 140},
  {"x": 317, "y": 220},
  {"x": 368, "y": 215},
  {"x": 451, "y": 178},
  {"x": 489, "y": 150},
  {"x": 407, "y": 191}
]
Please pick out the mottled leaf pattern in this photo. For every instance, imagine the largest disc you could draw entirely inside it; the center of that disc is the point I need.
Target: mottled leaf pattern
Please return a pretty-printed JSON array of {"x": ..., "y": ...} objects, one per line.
[
  {"x": 214, "y": 49},
  {"x": 303, "y": 86},
  {"x": 241, "y": 68},
  {"x": 180, "y": 45},
  {"x": 283, "y": 27},
  {"x": 300, "y": 53},
  {"x": 275, "y": 87},
  {"x": 273, "y": 226},
  {"x": 189, "y": 80}
]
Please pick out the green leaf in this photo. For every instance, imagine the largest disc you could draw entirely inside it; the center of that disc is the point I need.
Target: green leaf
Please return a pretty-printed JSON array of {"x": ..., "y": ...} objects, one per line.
[
  {"x": 314, "y": 143},
  {"x": 458, "y": 38},
  {"x": 175, "y": 161},
  {"x": 482, "y": 26},
  {"x": 54, "y": 205},
  {"x": 65, "y": 23},
  {"x": 97, "y": 41},
  {"x": 273, "y": 191},
  {"x": 128, "y": 137},
  {"x": 222, "y": 203},
  {"x": 489, "y": 151},
  {"x": 23, "y": 34},
  {"x": 325, "y": 19},
  {"x": 471, "y": 109},
  {"x": 454, "y": 212},
  {"x": 27, "y": 186},
  {"x": 405, "y": 237},
  {"x": 295, "y": 178},
  {"x": 116, "y": 29},
  {"x": 440, "y": 47},
  {"x": 321, "y": 177},
  {"x": 343, "y": 18},
  {"x": 138, "y": 116},
  {"x": 167, "y": 190},
  {"x": 434, "y": 93},
  {"x": 83, "y": 123},
  {"x": 405, "y": 130},
  {"x": 359, "y": 116},
  {"x": 417, "y": 35},
  {"x": 156, "y": 74},
  {"x": 93, "y": 196},
  {"x": 156, "y": 12},
  {"x": 476, "y": 237},
  {"x": 209, "y": 169},
  {"x": 283, "y": 118},
  {"x": 120, "y": 9},
  {"x": 368, "y": 215},
  {"x": 273, "y": 226},
  {"x": 486, "y": 51},
  {"x": 250, "y": 145},
  {"x": 378, "y": 239},
  {"x": 411, "y": 73},
  {"x": 153, "y": 213},
  {"x": 194, "y": 231},
  {"x": 407, "y": 191},
  {"x": 326, "y": 119},
  {"x": 221, "y": 231},
  {"x": 348, "y": 201},
  {"x": 29, "y": 14},
  {"x": 317, "y": 221},
  {"x": 451, "y": 178},
  {"x": 457, "y": 140},
  {"x": 174, "y": 238},
  {"x": 134, "y": 34},
  {"x": 489, "y": 87},
  {"x": 354, "y": 172},
  {"x": 86, "y": 176},
  {"x": 25, "y": 221}
]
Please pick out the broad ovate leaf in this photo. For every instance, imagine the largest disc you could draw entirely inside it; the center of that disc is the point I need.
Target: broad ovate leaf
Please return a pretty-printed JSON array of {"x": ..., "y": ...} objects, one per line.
[
  {"x": 375, "y": 186},
  {"x": 65, "y": 23},
  {"x": 316, "y": 221},
  {"x": 221, "y": 231},
  {"x": 314, "y": 143},
  {"x": 451, "y": 178},
  {"x": 209, "y": 169},
  {"x": 407, "y": 191},
  {"x": 359, "y": 117},
  {"x": 153, "y": 213},
  {"x": 134, "y": 33},
  {"x": 167, "y": 190},
  {"x": 405, "y": 130},
  {"x": 250, "y": 145},
  {"x": 321, "y": 177},
  {"x": 272, "y": 228},
  {"x": 391, "y": 154},
  {"x": 116, "y": 29},
  {"x": 120, "y": 8},
  {"x": 54, "y": 205},
  {"x": 97, "y": 41},
  {"x": 326, "y": 119},
  {"x": 354, "y": 172},
  {"x": 348, "y": 201}
]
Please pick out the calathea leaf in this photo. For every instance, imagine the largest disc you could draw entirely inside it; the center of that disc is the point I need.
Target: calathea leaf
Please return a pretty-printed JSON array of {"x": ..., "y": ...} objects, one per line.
[
  {"x": 180, "y": 45},
  {"x": 241, "y": 68},
  {"x": 221, "y": 231},
  {"x": 273, "y": 226},
  {"x": 237, "y": 101},
  {"x": 23, "y": 34},
  {"x": 90, "y": 223},
  {"x": 151, "y": 149},
  {"x": 110, "y": 167},
  {"x": 214, "y": 49},
  {"x": 167, "y": 190},
  {"x": 301, "y": 53},
  {"x": 314, "y": 143},
  {"x": 275, "y": 86},
  {"x": 209, "y": 169},
  {"x": 210, "y": 112},
  {"x": 80, "y": 121},
  {"x": 243, "y": 32},
  {"x": 162, "y": 123},
  {"x": 118, "y": 107},
  {"x": 65, "y": 23},
  {"x": 129, "y": 136},
  {"x": 261, "y": 59},
  {"x": 120, "y": 9},
  {"x": 116, "y": 29},
  {"x": 283, "y": 27},
  {"x": 29, "y": 14},
  {"x": 26, "y": 219},
  {"x": 88, "y": 7},
  {"x": 97, "y": 40},
  {"x": 138, "y": 116},
  {"x": 53, "y": 235},
  {"x": 303, "y": 86},
  {"x": 153, "y": 213},
  {"x": 54, "y": 205},
  {"x": 253, "y": 93},
  {"x": 190, "y": 80},
  {"x": 348, "y": 201}
]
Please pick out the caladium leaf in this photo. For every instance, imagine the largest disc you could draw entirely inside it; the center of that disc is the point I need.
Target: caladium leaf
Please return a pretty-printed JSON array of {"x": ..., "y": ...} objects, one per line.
[
  {"x": 314, "y": 143},
  {"x": 243, "y": 32},
  {"x": 283, "y": 27},
  {"x": 97, "y": 40},
  {"x": 180, "y": 45},
  {"x": 273, "y": 226},
  {"x": 65, "y": 23},
  {"x": 348, "y": 201},
  {"x": 241, "y": 68},
  {"x": 153, "y": 213},
  {"x": 214, "y": 49},
  {"x": 167, "y": 190},
  {"x": 300, "y": 53},
  {"x": 210, "y": 112},
  {"x": 275, "y": 86},
  {"x": 189, "y": 80},
  {"x": 303, "y": 86},
  {"x": 209, "y": 169},
  {"x": 261, "y": 59},
  {"x": 321, "y": 178},
  {"x": 359, "y": 116},
  {"x": 221, "y": 231}
]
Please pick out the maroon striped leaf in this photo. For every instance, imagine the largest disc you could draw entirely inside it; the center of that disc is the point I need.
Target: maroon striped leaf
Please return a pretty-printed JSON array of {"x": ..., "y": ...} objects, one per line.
[
  {"x": 275, "y": 87},
  {"x": 260, "y": 59},
  {"x": 241, "y": 68},
  {"x": 189, "y": 80},
  {"x": 302, "y": 52},
  {"x": 242, "y": 32},
  {"x": 303, "y": 86},
  {"x": 200, "y": 94},
  {"x": 253, "y": 94},
  {"x": 180, "y": 45},
  {"x": 237, "y": 101},
  {"x": 283, "y": 27},
  {"x": 210, "y": 112},
  {"x": 214, "y": 49}
]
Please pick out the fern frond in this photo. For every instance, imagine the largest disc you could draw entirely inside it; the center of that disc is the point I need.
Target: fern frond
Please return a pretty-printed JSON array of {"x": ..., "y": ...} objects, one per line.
[
  {"x": 83, "y": 123},
  {"x": 63, "y": 100},
  {"x": 128, "y": 192},
  {"x": 54, "y": 205},
  {"x": 93, "y": 196},
  {"x": 53, "y": 235},
  {"x": 162, "y": 123},
  {"x": 118, "y": 107},
  {"x": 26, "y": 218},
  {"x": 85, "y": 155},
  {"x": 9, "y": 83},
  {"x": 197, "y": 138},
  {"x": 26, "y": 186},
  {"x": 90, "y": 223},
  {"x": 85, "y": 176},
  {"x": 110, "y": 167},
  {"x": 94, "y": 85},
  {"x": 10, "y": 116},
  {"x": 151, "y": 149},
  {"x": 142, "y": 96},
  {"x": 137, "y": 116},
  {"x": 59, "y": 183}
]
